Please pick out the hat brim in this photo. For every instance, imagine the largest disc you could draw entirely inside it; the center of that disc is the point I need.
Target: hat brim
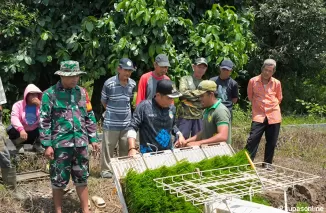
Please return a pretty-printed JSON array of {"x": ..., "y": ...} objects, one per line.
[
  {"x": 198, "y": 92},
  {"x": 201, "y": 63},
  {"x": 61, "y": 73},
  {"x": 226, "y": 67},
  {"x": 127, "y": 68},
  {"x": 164, "y": 64},
  {"x": 174, "y": 95}
]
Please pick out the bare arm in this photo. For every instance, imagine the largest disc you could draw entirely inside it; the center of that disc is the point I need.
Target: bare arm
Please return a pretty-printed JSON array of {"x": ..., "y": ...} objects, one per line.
[{"x": 221, "y": 136}]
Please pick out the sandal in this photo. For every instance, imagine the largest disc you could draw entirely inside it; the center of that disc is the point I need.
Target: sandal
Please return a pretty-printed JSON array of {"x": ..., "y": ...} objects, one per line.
[{"x": 99, "y": 202}]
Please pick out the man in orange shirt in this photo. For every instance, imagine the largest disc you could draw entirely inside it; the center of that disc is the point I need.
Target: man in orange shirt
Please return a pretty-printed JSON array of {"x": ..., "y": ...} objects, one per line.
[{"x": 265, "y": 95}]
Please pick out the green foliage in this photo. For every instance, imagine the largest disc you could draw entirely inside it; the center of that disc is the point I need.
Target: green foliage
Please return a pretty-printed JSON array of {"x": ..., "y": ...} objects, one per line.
[
  {"x": 258, "y": 199},
  {"x": 284, "y": 31},
  {"x": 142, "y": 194},
  {"x": 36, "y": 35},
  {"x": 313, "y": 109},
  {"x": 6, "y": 116},
  {"x": 302, "y": 207}
]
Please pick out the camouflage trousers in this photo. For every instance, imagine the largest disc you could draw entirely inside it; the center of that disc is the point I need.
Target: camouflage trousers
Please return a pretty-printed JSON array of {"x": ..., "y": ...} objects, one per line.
[{"x": 72, "y": 161}]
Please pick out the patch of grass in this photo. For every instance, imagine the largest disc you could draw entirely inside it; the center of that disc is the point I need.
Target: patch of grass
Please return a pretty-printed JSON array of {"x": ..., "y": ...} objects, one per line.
[
  {"x": 292, "y": 120},
  {"x": 302, "y": 207},
  {"x": 258, "y": 199}
]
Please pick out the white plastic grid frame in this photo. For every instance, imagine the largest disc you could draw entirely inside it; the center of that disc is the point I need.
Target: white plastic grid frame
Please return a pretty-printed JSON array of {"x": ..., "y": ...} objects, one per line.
[
  {"x": 204, "y": 187},
  {"x": 155, "y": 160},
  {"x": 191, "y": 154},
  {"x": 120, "y": 166},
  {"x": 217, "y": 150}
]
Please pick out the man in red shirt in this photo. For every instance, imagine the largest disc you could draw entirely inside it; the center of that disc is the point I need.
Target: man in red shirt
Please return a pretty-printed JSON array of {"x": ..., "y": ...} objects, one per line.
[
  {"x": 265, "y": 95},
  {"x": 148, "y": 81}
]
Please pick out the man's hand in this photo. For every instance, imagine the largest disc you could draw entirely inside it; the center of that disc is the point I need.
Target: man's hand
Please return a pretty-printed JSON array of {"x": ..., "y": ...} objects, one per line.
[
  {"x": 36, "y": 102},
  {"x": 23, "y": 135},
  {"x": 95, "y": 147},
  {"x": 132, "y": 152},
  {"x": 0, "y": 107},
  {"x": 193, "y": 144},
  {"x": 49, "y": 153},
  {"x": 181, "y": 142}
]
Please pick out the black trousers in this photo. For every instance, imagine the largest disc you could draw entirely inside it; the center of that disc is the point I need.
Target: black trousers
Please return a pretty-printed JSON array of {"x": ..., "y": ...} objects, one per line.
[{"x": 271, "y": 134}]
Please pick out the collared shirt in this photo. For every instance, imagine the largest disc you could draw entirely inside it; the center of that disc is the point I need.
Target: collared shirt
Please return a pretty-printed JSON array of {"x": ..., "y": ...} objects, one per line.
[
  {"x": 118, "y": 101},
  {"x": 64, "y": 118},
  {"x": 190, "y": 107},
  {"x": 215, "y": 116},
  {"x": 147, "y": 86},
  {"x": 155, "y": 125},
  {"x": 3, "y": 99},
  {"x": 265, "y": 100}
]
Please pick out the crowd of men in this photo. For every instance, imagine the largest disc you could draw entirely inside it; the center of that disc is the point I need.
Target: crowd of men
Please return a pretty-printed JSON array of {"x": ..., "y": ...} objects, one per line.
[{"x": 60, "y": 123}]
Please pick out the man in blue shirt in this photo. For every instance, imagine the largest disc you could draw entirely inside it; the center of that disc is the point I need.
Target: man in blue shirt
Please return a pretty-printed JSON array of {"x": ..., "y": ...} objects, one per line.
[{"x": 117, "y": 96}]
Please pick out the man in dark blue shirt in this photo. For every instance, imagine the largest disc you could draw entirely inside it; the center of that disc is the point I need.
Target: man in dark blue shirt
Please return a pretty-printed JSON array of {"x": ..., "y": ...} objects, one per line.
[
  {"x": 227, "y": 88},
  {"x": 155, "y": 120}
]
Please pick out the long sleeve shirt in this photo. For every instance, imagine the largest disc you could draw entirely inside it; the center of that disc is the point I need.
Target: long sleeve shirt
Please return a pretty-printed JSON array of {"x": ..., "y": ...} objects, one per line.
[
  {"x": 265, "y": 100},
  {"x": 190, "y": 107},
  {"x": 155, "y": 125},
  {"x": 66, "y": 118}
]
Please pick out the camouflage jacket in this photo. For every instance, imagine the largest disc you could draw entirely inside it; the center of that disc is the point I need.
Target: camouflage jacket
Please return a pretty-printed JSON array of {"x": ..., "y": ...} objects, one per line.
[
  {"x": 66, "y": 118},
  {"x": 190, "y": 107}
]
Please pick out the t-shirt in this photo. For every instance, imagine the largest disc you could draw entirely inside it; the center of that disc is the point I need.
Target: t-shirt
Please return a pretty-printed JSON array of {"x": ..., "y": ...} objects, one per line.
[
  {"x": 30, "y": 116},
  {"x": 190, "y": 107},
  {"x": 213, "y": 117},
  {"x": 147, "y": 86},
  {"x": 155, "y": 125},
  {"x": 227, "y": 90}
]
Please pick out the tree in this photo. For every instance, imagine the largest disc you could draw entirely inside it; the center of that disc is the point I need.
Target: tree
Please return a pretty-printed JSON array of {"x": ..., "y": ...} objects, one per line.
[
  {"x": 97, "y": 34},
  {"x": 293, "y": 33}
]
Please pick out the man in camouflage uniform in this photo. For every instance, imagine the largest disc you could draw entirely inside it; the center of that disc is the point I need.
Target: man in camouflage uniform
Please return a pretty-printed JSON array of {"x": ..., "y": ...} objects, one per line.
[
  {"x": 190, "y": 110},
  {"x": 67, "y": 126}
]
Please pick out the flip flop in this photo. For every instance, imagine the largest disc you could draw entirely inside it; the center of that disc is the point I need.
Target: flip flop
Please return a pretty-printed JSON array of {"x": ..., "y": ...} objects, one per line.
[{"x": 99, "y": 202}]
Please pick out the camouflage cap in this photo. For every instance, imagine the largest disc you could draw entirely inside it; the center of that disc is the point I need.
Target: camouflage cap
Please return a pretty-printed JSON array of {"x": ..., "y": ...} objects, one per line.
[
  {"x": 69, "y": 68},
  {"x": 201, "y": 61},
  {"x": 205, "y": 86}
]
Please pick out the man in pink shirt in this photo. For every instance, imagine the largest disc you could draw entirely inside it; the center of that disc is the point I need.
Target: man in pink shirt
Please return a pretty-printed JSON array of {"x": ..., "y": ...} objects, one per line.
[{"x": 265, "y": 95}]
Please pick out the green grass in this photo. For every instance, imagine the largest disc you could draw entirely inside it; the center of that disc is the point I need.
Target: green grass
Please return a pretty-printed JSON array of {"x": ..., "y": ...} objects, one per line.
[
  {"x": 292, "y": 120},
  {"x": 242, "y": 118}
]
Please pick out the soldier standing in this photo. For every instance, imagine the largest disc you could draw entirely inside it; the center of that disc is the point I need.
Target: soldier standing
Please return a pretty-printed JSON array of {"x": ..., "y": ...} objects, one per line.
[{"x": 68, "y": 125}]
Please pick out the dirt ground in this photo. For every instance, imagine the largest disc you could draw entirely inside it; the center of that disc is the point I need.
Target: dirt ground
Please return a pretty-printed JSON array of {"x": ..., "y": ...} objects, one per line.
[{"x": 38, "y": 193}]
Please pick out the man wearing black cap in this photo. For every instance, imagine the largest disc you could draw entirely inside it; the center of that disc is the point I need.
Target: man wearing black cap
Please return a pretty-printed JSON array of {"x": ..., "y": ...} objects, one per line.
[
  {"x": 190, "y": 110},
  {"x": 155, "y": 120},
  {"x": 148, "y": 81},
  {"x": 117, "y": 96},
  {"x": 227, "y": 87}
]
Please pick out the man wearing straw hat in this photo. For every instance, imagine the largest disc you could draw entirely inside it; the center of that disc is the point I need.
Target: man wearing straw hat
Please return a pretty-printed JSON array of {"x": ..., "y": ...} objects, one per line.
[{"x": 67, "y": 126}]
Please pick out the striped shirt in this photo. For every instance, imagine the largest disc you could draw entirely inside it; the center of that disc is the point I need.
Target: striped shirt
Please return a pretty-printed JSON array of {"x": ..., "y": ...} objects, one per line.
[
  {"x": 265, "y": 100},
  {"x": 118, "y": 100},
  {"x": 2, "y": 94}
]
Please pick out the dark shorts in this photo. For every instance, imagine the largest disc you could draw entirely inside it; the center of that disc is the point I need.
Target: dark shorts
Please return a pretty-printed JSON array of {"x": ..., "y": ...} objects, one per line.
[
  {"x": 189, "y": 127},
  {"x": 72, "y": 161}
]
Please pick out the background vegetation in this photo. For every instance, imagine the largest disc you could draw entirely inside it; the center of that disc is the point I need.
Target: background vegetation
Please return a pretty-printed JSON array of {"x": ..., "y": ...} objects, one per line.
[{"x": 35, "y": 35}]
